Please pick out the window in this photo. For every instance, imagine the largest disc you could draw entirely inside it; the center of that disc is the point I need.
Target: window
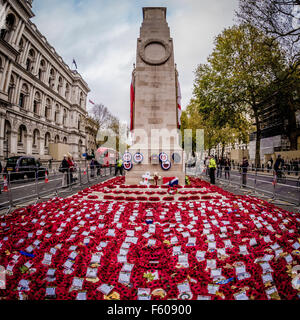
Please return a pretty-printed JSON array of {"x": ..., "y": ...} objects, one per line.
[
  {"x": 67, "y": 92},
  {"x": 56, "y": 115},
  {"x": 11, "y": 89},
  {"x": 36, "y": 103},
  {"x": 9, "y": 24},
  {"x": 24, "y": 162},
  {"x": 65, "y": 117},
  {"x": 31, "y": 162},
  {"x": 35, "y": 137},
  {"x": 21, "y": 134},
  {"x": 28, "y": 65},
  {"x": 52, "y": 77},
  {"x": 23, "y": 95},
  {"x": 47, "y": 139},
  {"x": 42, "y": 69},
  {"x": 48, "y": 109}
]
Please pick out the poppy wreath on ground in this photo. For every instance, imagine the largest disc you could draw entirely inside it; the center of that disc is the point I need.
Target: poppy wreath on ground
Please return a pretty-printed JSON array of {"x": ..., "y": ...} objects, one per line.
[{"x": 263, "y": 247}]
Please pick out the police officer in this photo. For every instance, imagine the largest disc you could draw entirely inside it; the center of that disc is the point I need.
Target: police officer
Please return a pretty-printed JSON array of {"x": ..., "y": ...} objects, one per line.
[
  {"x": 212, "y": 169},
  {"x": 119, "y": 166}
]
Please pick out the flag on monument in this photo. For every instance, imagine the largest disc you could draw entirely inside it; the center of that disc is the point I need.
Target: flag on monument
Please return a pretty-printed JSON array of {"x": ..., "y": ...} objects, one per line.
[
  {"x": 74, "y": 62},
  {"x": 179, "y": 104},
  {"x": 132, "y": 98}
]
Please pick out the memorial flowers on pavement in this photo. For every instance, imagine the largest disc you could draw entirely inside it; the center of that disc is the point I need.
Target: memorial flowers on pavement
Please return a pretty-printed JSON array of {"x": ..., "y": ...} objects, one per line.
[{"x": 210, "y": 244}]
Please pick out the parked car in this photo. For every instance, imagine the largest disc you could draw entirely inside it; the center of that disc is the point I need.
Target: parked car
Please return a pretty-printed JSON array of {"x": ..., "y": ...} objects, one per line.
[{"x": 21, "y": 166}]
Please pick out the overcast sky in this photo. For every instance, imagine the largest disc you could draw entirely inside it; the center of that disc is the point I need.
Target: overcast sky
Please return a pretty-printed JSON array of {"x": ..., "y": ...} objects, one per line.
[{"x": 101, "y": 35}]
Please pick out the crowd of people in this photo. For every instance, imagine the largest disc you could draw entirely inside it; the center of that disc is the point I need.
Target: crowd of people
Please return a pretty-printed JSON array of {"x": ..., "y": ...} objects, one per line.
[{"x": 215, "y": 166}]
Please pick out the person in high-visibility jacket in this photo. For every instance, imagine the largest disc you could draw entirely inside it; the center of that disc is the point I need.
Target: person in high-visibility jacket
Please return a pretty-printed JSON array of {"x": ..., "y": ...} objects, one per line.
[
  {"x": 119, "y": 166},
  {"x": 212, "y": 169}
]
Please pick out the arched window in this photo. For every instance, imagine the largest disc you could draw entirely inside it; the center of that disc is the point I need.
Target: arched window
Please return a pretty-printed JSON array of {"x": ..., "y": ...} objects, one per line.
[
  {"x": 36, "y": 103},
  {"x": 56, "y": 139},
  {"x": 35, "y": 139},
  {"x": 42, "y": 70},
  {"x": 22, "y": 134},
  {"x": 21, "y": 45},
  {"x": 11, "y": 89},
  {"x": 52, "y": 77},
  {"x": 23, "y": 96},
  {"x": 65, "y": 140},
  {"x": 30, "y": 60},
  {"x": 6, "y": 32},
  {"x": 56, "y": 115},
  {"x": 47, "y": 139},
  {"x": 48, "y": 109},
  {"x": 60, "y": 84},
  {"x": 67, "y": 92},
  {"x": 65, "y": 117}
]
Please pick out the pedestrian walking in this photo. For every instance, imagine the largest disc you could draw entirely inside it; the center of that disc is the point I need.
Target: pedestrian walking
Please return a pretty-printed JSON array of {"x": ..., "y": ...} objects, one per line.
[
  {"x": 71, "y": 167},
  {"x": 212, "y": 170},
  {"x": 244, "y": 167},
  {"x": 278, "y": 166},
  {"x": 92, "y": 167},
  {"x": 227, "y": 168},
  {"x": 97, "y": 164},
  {"x": 269, "y": 166},
  {"x": 64, "y": 168},
  {"x": 119, "y": 166}
]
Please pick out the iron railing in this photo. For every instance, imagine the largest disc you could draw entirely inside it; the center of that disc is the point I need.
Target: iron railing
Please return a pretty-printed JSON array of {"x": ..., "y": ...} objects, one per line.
[
  {"x": 275, "y": 185},
  {"x": 20, "y": 187}
]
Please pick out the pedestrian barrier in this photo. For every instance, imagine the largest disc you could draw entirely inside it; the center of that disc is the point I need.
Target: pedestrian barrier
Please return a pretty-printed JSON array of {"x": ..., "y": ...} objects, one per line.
[
  {"x": 20, "y": 187},
  {"x": 275, "y": 186}
]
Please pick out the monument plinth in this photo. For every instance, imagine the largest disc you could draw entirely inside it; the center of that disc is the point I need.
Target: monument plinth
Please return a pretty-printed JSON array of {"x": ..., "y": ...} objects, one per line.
[{"x": 155, "y": 111}]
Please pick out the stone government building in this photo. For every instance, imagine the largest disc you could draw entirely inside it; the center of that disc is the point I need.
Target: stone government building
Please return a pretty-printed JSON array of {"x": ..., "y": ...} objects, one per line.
[{"x": 42, "y": 101}]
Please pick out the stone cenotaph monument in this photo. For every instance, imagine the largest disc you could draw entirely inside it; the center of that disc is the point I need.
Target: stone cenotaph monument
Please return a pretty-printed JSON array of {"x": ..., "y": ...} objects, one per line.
[{"x": 154, "y": 105}]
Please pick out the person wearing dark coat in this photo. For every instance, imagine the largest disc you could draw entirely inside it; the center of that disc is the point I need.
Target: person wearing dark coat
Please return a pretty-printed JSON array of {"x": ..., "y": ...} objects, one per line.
[
  {"x": 64, "y": 167},
  {"x": 244, "y": 167}
]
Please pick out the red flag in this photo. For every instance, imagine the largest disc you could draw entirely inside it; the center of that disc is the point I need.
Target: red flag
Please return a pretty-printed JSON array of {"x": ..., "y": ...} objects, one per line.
[
  {"x": 179, "y": 104},
  {"x": 132, "y": 98},
  {"x": 90, "y": 101}
]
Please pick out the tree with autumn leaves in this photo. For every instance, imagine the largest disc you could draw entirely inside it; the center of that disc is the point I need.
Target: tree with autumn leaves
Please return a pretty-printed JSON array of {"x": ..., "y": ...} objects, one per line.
[{"x": 246, "y": 71}]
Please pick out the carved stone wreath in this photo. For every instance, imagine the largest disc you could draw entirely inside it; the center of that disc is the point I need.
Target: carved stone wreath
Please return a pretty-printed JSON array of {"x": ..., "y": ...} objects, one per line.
[{"x": 150, "y": 60}]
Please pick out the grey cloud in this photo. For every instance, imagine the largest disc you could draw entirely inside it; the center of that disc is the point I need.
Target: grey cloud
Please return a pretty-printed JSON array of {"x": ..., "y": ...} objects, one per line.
[{"x": 101, "y": 35}]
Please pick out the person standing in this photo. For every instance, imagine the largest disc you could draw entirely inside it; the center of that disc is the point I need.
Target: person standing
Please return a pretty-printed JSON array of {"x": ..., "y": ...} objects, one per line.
[
  {"x": 227, "y": 168},
  {"x": 244, "y": 166},
  {"x": 64, "y": 167},
  {"x": 92, "y": 167},
  {"x": 278, "y": 166},
  {"x": 212, "y": 169},
  {"x": 119, "y": 166},
  {"x": 71, "y": 168}
]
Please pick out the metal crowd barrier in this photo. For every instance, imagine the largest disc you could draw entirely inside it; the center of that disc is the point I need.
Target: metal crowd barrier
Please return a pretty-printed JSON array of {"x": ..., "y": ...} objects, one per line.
[
  {"x": 20, "y": 187},
  {"x": 282, "y": 187}
]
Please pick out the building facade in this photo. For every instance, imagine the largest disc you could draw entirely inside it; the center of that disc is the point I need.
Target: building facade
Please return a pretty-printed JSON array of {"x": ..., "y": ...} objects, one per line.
[{"x": 42, "y": 100}]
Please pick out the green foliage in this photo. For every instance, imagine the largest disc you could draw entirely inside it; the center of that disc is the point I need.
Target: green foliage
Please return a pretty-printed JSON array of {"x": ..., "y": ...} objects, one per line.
[{"x": 237, "y": 82}]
